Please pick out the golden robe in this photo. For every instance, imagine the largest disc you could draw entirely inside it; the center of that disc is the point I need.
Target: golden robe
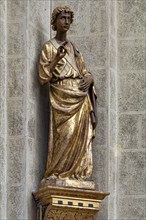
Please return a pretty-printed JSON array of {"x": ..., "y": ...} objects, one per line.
[{"x": 71, "y": 131}]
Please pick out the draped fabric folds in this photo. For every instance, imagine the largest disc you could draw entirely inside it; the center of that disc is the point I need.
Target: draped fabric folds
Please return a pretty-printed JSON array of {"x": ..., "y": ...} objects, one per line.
[{"x": 71, "y": 131}]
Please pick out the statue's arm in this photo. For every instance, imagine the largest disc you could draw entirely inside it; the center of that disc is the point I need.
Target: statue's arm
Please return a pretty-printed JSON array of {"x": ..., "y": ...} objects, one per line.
[
  {"x": 87, "y": 79},
  {"x": 48, "y": 62},
  {"x": 45, "y": 61}
]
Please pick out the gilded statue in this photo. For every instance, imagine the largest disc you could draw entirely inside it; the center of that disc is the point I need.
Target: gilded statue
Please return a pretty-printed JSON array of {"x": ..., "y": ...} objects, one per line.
[{"x": 72, "y": 103}]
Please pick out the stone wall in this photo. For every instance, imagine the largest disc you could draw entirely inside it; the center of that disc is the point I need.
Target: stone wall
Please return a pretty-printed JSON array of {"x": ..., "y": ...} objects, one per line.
[
  {"x": 131, "y": 66},
  {"x": 16, "y": 109},
  {"x": 127, "y": 109},
  {"x": 111, "y": 36},
  {"x": 3, "y": 120},
  {"x": 112, "y": 109}
]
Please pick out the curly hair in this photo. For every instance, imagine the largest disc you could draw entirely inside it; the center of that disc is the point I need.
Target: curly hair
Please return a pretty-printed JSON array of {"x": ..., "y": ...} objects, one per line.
[{"x": 57, "y": 11}]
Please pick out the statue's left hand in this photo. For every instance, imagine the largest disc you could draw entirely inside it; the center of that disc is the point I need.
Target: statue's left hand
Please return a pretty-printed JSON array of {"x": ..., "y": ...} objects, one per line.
[{"x": 85, "y": 83}]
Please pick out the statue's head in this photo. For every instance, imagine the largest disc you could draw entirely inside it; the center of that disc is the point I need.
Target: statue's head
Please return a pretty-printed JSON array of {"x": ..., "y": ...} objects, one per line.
[{"x": 57, "y": 11}]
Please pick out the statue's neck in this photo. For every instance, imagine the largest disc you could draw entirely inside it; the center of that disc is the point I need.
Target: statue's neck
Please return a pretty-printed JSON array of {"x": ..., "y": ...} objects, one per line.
[{"x": 61, "y": 37}]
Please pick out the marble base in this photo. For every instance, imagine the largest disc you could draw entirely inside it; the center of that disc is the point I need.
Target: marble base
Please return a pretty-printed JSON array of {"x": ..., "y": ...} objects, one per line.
[{"x": 68, "y": 183}]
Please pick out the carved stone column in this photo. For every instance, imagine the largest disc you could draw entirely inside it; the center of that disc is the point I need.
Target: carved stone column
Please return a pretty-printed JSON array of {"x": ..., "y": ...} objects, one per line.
[{"x": 61, "y": 200}]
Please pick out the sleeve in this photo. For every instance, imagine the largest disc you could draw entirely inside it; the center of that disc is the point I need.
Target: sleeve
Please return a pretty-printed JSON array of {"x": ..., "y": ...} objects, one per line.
[
  {"x": 79, "y": 60},
  {"x": 84, "y": 69},
  {"x": 81, "y": 65},
  {"x": 45, "y": 59}
]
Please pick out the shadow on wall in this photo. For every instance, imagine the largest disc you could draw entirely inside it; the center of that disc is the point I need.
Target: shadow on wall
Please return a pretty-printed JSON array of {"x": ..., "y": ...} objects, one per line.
[
  {"x": 43, "y": 112},
  {"x": 39, "y": 96}
]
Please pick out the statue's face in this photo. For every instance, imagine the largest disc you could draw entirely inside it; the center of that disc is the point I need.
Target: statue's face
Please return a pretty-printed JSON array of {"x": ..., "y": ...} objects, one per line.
[{"x": 63, "y": 22}]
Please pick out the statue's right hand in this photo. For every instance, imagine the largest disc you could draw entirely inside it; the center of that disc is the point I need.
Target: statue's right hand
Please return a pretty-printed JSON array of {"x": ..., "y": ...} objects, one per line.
[{"x": 61, "y": 51}]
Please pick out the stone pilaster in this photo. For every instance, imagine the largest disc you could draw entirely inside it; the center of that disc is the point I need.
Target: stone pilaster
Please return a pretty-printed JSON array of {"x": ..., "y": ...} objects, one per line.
[
  {"x": 131, "y": 35},
  {"x": 16, "y": 109},
  {"x": 3, "y": 119},
  {"x": 112, "y": 107}
]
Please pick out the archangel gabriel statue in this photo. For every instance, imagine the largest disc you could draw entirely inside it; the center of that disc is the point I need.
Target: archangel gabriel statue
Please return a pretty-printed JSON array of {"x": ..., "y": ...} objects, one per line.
[{"x": 72, "y": 99}]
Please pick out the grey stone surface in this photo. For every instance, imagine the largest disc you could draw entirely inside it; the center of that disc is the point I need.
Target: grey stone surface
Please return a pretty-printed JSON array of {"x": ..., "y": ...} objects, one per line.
[
  {"x": 130, "y": 5},
  {"x": 143, "y": 137},
  {"x": 16, "y": 44},
  {"x": 132, "y": 91},
  {"x": 37, "y": 164},
  {"x": 36, "y": 40},
  {"x": 131, "y": 18},
  {"x": 113, "y": 129},
  {"x": 31, "y": 206},
  {"x": 16, "y": 77},
  {"x": 131, "y": 59},
  {"x": 2, "y": 153},
  {"x": 2, "y": 117},
  {"x": 2, "y": 162},
  {"x": 113, "y": 91},
  {"x": 100, "y": 79},
  {"x": 42, "y": 122},
  {"x": 16, "y": 10},
  {"x": 16, "y": 117},
  {"x": 95, "y": 53},
  {"x": 31, "y": 123},
  {"x": 16, "y": 207},
  {"x": 112, "y": 53},
  {"x": 36, "y": 92},
  {"x": 112, "y": 174},
  {"x": 128, "y": 137},
  {"x": 36, "y": 155},
  {"x": 37, "y": 9},
  {"x": 2, "y": 110},
  {"x": 131, "y": 208},
  {"x": 131, "y": 55},
  {"x": 33, "y": 80},
  {"x": 2, "y": 78},
  {"x": 99, "y": 168},
  {"x": 101, "y": 129},
  {"x": 112, "y": 208},
  {"x": 16, "y": 165},
  {"x": 112, "y": 16},
  {"x": 2, "y": 39},
  {"x": 2, "y": 9},
  {"x": 98, "y": 17},
  {"x": 103, "y": 213},
  {"x": 2, "y": 198},
  {"x": 31, "y": 175},
  {"x": 132, "y": 173}
]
